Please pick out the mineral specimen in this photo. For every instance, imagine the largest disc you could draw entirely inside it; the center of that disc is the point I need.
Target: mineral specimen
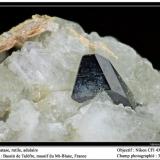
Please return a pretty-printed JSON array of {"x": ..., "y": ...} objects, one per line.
[
  {"x": 38, "y": 76},
  {"x": 97, "y": 74}
]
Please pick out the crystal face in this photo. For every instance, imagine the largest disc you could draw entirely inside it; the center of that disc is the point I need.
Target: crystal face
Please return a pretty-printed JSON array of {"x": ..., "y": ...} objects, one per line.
[
  {"x": 90, "y": 79},
  {"x": 97, "y": 74}
]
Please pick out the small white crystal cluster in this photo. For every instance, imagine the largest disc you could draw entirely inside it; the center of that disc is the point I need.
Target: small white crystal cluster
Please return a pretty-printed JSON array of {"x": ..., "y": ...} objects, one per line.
[{"x": 36, "y": 84}]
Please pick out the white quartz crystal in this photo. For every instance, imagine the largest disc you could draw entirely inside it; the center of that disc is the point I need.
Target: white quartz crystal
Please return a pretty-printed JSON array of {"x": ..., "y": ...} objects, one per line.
[{"x": 36, "y": 84}]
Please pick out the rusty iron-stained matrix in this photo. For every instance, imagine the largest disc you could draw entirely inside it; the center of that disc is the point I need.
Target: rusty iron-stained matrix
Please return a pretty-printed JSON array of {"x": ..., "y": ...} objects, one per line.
[
  {"x": 16, "y": 36},
  {"x": 19, "y": 34}
]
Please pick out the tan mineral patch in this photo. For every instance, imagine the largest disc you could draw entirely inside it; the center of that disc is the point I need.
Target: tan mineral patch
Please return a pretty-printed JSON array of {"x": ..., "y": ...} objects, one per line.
[
  {"x": 19, "y": 34},
  {"x": 16, "y": 36}
]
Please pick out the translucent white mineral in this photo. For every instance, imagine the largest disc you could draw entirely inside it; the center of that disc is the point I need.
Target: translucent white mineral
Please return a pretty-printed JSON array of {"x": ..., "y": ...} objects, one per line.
[{"x": 36, "y": 83}]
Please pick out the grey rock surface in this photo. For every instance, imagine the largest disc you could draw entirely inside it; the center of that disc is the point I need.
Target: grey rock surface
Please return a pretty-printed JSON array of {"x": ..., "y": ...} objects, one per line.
[{"x": 36, "y": 83}]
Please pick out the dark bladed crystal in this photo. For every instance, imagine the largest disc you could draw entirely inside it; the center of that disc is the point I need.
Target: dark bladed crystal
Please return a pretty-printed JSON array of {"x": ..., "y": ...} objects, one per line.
[{"x": 97, "y": 74}]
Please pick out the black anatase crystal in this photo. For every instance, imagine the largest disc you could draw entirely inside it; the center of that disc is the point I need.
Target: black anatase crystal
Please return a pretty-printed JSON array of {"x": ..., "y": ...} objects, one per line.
[{"x": 97, "y": 74}]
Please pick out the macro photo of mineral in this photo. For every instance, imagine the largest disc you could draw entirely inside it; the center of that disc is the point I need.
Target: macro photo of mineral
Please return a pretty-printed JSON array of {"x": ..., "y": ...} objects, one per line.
[{"x": 61, "y": 84}]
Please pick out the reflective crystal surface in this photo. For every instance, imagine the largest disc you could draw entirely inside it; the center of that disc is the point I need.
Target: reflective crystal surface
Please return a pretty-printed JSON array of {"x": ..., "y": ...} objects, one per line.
[{"x": 97, "y": 74}]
